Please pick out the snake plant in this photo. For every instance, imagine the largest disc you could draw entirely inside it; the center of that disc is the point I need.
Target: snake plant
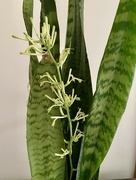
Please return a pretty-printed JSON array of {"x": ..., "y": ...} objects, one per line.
[{"x": 70, "y": 130}]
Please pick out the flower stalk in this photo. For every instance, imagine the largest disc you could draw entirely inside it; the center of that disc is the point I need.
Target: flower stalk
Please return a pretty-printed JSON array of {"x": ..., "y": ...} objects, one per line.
[{"x": 63, "y": 101}]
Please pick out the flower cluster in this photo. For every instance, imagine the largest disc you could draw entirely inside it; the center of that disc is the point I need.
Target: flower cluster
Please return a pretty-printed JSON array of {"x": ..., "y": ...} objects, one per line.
[
  {"x": 64, "y": 101},
  {"x": 44, "y": 42}
]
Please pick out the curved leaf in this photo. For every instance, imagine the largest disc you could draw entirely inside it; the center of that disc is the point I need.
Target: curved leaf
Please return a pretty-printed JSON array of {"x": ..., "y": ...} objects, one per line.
[{"x": 113, "y": 86}]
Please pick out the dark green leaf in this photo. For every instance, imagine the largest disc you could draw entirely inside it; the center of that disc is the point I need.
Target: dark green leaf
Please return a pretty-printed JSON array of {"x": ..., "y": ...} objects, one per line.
[{"x": 78, "y": 61}]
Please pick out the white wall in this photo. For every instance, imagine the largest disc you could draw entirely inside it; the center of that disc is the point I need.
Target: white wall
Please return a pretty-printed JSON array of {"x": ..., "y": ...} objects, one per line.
[{"x": 99, "y": 15}]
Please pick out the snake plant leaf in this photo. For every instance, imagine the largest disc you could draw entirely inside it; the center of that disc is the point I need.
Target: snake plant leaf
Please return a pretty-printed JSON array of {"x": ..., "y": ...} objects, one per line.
[
  {"x": 43, "y": 140},
  {"x": 112, "y": 91},
  {"x": 78, "y": 61},
  {"x": 27, "y": 13},
  {"x": 48, "y": 8}
]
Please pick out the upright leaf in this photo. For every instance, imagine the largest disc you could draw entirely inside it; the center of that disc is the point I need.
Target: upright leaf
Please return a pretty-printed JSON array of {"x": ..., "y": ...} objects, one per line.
[
  {"x": 27, "y": 13},
  {"x": 113, "y": 86},
  {"x": 43, "y": 140},
  {"x": 78, "y": 61}
]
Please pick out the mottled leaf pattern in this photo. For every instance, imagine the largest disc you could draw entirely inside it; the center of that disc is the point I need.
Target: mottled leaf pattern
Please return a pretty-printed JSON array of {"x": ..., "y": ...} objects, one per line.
[
  {"x": 43, "y": 140},
  {"x": 113, "y": 85}
]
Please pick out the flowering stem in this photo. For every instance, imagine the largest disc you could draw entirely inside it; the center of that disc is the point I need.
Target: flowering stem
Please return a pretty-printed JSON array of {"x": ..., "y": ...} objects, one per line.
[
  {"x": 63, "y": 101},
  {"x": 67, "y": 111}
]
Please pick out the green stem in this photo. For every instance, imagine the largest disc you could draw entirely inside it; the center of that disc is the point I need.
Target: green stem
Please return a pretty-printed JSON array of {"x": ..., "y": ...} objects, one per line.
[
  {"x": 70, "y": 143},
  {"x": 68, "y": 113}
]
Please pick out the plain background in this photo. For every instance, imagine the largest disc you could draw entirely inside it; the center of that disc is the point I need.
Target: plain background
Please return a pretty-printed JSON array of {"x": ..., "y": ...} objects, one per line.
[{"x": 99, "y": 15}]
